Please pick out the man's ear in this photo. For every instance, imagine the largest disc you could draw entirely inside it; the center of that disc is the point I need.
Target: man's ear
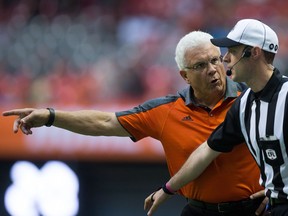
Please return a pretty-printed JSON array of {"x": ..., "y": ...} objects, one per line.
[
  {"x": 184, "y": 75},
  {"x": 256, "y": 52}
]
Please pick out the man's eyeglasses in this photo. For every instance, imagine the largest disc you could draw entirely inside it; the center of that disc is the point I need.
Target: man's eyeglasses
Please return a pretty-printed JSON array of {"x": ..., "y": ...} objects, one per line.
[{"x": 201, "y": 66}]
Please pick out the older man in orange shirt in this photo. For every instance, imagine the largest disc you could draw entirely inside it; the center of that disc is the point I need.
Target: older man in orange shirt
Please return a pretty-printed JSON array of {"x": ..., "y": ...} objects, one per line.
[{"x": 181, "y": 123}]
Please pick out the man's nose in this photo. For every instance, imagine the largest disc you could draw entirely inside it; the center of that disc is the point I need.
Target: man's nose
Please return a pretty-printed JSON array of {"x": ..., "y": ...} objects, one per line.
[
  {"x": 226, "y": 57},
  {"x": 211, "y": 68}
]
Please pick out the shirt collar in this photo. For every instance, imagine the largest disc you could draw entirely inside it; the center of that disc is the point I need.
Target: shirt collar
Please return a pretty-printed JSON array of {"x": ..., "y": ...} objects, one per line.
[
  {"x": 270, "y": 88},
  {"x": 187, "y": 94}
]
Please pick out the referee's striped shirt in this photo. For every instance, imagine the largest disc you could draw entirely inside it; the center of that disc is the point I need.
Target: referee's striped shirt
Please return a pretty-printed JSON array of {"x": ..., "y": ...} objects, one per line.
[{"x": 261, "y": 120}]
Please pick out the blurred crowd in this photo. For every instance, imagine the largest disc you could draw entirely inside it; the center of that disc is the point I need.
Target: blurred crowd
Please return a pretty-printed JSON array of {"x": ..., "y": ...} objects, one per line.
[{"x": 89, "y": 51}]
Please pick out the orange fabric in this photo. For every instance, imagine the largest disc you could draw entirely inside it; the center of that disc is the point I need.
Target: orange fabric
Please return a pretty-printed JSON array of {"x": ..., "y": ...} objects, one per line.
[{"x": 232, "y": 176}]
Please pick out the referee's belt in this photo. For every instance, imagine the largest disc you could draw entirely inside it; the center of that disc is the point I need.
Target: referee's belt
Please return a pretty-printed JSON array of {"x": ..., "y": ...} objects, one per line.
[
  {"x": 226, "y": 207},
  {"x": 278, "y": 201}
]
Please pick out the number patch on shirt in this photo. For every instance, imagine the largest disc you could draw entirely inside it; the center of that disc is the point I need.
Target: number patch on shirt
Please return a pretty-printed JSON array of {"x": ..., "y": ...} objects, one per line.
[{"x": 272, "y": 151}]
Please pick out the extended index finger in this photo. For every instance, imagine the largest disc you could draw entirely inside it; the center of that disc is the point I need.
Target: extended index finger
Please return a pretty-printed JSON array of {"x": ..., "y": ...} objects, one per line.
[{"x": 16, "y": 112}]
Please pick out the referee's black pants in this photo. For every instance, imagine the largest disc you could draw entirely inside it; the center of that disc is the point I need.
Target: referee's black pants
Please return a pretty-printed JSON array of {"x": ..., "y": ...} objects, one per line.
[{"x": 280, "y": 210}]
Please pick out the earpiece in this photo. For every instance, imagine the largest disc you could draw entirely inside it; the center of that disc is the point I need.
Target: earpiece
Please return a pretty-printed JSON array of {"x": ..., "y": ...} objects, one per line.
[{"x": 246, "y": 53}]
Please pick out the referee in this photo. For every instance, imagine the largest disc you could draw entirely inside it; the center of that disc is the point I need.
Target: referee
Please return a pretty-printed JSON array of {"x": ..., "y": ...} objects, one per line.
[{"x": 258, "y": 117}]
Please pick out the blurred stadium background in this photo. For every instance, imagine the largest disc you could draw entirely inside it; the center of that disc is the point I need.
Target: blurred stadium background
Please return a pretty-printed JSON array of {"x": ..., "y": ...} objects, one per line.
[{"x": 106, "y": 55}]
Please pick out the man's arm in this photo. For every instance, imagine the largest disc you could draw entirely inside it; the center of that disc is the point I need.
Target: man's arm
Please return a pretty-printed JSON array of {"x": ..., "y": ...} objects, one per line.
[
  {"x": 197, "y": 162},
  {"x": 87, "y": 122}
]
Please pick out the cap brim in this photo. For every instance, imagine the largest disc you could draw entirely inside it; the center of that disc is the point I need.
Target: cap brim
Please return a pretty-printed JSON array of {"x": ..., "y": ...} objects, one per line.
[{"x": 224, "y": 42}]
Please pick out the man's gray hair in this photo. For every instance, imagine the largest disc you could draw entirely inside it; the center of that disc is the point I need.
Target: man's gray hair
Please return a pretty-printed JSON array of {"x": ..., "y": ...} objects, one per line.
[{"x": 190, "y": 40}]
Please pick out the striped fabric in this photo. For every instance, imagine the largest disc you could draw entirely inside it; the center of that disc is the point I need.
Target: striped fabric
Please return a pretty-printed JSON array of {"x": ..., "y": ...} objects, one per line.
[{"x": 261, "y": 120}]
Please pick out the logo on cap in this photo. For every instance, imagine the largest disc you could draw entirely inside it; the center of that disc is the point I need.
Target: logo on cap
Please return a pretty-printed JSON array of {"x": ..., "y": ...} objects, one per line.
[{"x": 271, "y": 46}]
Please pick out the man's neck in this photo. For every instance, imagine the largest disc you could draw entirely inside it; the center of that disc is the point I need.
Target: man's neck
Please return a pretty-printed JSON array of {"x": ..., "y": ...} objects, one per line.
[
  {"x": 209, "y": 100},
  {"x": 260, "y": 80}
]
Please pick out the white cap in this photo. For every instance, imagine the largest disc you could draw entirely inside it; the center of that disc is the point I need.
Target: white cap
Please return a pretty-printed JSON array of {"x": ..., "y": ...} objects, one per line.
[{"x": 250, "y": 32}]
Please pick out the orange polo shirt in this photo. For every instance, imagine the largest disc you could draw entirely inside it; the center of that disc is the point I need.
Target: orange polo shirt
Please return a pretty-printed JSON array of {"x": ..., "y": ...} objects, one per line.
[{"x": 181, "y": 126}]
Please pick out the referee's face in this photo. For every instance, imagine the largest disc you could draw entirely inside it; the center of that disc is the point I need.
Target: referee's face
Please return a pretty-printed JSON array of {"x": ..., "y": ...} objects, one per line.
[
  {"x": 204, "y": 71},
  {"x": 238, "y": 64}
]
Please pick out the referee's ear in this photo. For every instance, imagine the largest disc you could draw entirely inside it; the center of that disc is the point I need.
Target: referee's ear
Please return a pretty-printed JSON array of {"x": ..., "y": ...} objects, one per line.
[{"x": 256, "y": 52}]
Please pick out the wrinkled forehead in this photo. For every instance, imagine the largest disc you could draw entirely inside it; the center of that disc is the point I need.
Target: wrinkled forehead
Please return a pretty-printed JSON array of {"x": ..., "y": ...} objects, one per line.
[{"x": 202, "y": 52}]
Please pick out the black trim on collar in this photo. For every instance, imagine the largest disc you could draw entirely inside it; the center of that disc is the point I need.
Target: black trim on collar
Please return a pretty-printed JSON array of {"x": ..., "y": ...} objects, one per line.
[{"x": 268, "y": 91}]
